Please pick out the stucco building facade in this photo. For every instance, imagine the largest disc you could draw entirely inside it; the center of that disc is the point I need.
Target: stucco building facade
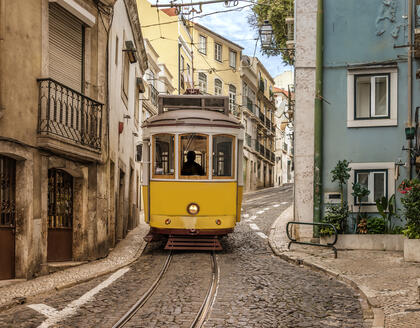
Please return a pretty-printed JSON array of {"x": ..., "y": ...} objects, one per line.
[{"x": 55, "y": 134}]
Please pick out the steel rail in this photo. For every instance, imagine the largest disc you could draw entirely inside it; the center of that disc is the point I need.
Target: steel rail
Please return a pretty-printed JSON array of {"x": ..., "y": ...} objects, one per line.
[
  {"x": 202, "y": 314},
  {"x": 133, "y": 310}
]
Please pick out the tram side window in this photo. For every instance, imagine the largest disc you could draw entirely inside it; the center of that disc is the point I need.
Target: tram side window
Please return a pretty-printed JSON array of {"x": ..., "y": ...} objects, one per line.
[
  {"x": 164, "y": 154},
  {"x": 223, "y": 156},
  {"x": 193, "y": 157}
]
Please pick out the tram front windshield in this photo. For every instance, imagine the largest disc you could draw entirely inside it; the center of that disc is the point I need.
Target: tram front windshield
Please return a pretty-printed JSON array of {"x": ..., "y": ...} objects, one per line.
[{"x": 193, "y": 148}]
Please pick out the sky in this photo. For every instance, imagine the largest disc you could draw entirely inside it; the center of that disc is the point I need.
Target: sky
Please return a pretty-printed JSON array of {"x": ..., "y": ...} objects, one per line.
[{"x": 233, "y": 25}]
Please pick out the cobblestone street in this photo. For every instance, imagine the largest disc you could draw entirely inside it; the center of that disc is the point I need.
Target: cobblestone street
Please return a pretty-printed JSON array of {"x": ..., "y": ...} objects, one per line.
[{"x": 256, "y": 288}]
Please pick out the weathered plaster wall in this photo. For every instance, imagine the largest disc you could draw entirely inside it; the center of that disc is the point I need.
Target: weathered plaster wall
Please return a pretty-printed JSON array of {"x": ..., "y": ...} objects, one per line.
[
  {"x": 304, "y": 114},
  {"x": 378, "y": 25}
]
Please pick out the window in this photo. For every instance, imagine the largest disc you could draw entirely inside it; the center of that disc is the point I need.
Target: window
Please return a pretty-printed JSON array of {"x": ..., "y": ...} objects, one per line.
[
  {"x": 218, "y": 52},
  {"x": 374, "y": 181},
  {"x": 218, "y": 87},
  {"x": 163, "y": 154},
  {"x": 232, "y": 98},
  {"x": 136, "y": 106},
  {"x": 188, "y": 69},
  {"x": 202, "y": 82},
  {"x": 116, "y": 50},
  {"x": 223, "y": 156},
  {"x": 126, "y": 77},
  {"x": 232, "y": 58},
  {"x": 377, "y": 177},
  {"x": 193, "y": 155},
  {"x": 372, "y": 97},
  {"x": 203, "y": 45},
  {"x": 181, "y": 64}
]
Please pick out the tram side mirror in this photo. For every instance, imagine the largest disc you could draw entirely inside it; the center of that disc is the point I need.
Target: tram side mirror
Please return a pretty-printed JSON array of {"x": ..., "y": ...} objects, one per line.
[{"x": 139, "y": 152}]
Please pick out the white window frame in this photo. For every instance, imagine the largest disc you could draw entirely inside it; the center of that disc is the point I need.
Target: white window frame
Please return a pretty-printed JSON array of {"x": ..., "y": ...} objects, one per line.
[
  {"x": 218, "y": 92},
  {"x": 203, "y": 45},
  {"x": 218, "y": 51},
  {"x": 202, "y": 85},
  {"x": 392, "y": 119},
  {"x": 232, "y": 97},
  {"x": 389, "y": 166},
  {"x": 232, "y": 59}
]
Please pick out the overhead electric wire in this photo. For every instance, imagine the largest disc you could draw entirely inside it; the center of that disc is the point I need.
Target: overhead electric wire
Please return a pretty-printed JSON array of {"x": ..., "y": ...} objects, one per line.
[{"x": 200, "y": 16}]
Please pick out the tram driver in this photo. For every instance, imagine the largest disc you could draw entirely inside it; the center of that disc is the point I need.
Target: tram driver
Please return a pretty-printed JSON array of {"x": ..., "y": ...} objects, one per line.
[{"x": 191, "y": 167}]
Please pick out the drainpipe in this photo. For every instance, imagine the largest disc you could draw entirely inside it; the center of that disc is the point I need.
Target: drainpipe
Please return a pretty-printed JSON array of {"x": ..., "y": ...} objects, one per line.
[
  {"x": 409, "y": 82},
  {"x": 318, "y": 115},
  {"x": 2, "y": 36}
]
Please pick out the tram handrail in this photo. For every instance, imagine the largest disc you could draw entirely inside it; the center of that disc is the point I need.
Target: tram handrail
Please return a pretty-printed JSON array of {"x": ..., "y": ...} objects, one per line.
[{"x": 295, "y": 241}]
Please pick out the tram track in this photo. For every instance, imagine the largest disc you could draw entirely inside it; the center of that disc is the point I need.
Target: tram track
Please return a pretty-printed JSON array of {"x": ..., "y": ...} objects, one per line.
[{"x": 205, "y": 308}]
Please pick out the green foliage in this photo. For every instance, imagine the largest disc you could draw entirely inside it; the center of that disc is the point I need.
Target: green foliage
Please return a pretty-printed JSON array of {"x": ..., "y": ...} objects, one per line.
[
  {"x": 337, "y": 216},
  {"x": 376, "y": 225},
  {"x": 360, "y": 191},
  {"x": 410, "y": 189},
  {"x": 341, "y": 174},
  {"x": 387, "y": 209},
  {"x": 276, "y": 12}
]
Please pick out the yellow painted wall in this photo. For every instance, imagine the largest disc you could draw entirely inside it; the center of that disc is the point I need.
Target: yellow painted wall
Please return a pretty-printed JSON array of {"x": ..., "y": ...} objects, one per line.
[
  {"x": 164, "y": 38},
  {"x": 205, "y": 63}
]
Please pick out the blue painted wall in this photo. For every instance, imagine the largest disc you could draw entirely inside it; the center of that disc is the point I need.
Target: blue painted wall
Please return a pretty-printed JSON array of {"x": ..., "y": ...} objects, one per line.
[{"x": 360, "y": 32}]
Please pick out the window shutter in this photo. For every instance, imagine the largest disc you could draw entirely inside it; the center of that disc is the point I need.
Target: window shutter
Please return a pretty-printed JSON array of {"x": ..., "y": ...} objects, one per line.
[{"x": 65, "y": 47}]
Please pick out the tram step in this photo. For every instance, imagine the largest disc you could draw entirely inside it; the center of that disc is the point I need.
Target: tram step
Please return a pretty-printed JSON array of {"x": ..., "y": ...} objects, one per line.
[{"x": 204, "y": 243}]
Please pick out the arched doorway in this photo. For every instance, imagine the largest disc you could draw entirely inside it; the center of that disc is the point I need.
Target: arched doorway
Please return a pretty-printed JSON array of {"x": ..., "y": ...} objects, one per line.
[
  {"x": 7, "y": 217},
  {"x": 60, "y": 216}
]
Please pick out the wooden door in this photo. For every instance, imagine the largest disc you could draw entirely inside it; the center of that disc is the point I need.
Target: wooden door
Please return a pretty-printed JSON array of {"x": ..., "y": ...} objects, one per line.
[
  {"x": 60, "y": 216},
  {"x": 7, "y": 217}
]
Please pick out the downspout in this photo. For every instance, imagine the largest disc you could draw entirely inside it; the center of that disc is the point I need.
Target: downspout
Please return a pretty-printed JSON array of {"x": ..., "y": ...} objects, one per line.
[
  {"x": 179, "y": 68},
  {"x": 318, "y": 115},
  {"x": 2, "y": 36},
  {"x": 409, "y": 82}
]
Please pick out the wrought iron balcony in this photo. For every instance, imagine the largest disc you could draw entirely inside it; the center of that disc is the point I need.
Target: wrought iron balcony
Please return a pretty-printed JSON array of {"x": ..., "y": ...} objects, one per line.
[
  {"x": 262, "y": 150},
  {"x": 261, "y": 116},
  {"x": 153, "y": 95},
  {"x": 69, "y": 115},
  {"x": 248, "y": 139},
  {"x": 267, "y": 123},
  {"x": 249, "y": 105}
]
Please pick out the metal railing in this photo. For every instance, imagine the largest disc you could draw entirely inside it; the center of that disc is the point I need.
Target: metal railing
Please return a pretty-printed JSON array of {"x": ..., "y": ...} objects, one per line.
[
  {"x": 261, "y": 117},
  {"x": 153, "y": 95},
  {"x": 295, "y": 241},
  {"x": 257, "y": 146},
  {"x": 69, "y": 114},
  {"x": 249, "y": 105},
  {"x": 248, "y": 139},
  {"x": 268, "y": 123}
]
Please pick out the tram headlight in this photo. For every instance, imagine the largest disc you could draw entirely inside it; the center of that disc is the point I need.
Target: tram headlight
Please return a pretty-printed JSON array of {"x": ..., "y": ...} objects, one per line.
[{"x": 193, "y": 208}]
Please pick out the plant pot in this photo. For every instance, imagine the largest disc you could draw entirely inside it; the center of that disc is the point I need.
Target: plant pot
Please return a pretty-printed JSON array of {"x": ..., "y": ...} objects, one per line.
[
  {"x": 378, "y": 242},
  {"x": 411, "y": 250}
]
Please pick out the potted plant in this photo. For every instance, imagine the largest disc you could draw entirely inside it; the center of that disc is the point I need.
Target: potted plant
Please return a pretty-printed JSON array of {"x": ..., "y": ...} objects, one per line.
[
  {"x": 337, "y": 214},
  {"x": 359, "y": 192},
  {"x": 410, "y": 190}
]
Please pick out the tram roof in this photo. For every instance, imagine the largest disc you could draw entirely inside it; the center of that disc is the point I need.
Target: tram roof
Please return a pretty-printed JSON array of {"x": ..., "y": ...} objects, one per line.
[
  {"x": 192, "y": 117},
  {"x": 198, "y": 110}
]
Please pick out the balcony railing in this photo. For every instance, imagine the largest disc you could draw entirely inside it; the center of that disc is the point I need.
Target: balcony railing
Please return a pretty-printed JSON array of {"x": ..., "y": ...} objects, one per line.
[
  {"x": 153, "y": 95},
  {"x": 261, "y": 116},
  {"x": 249, "y": 105},
  {"x": 273, "y": 128},
  {"x": 267, "y": 123},
  {"x": 68, "y": 114},
  {"x": 257, "y": 146},
  {"x": 248, "y": 139},
  {"x": 262, "y": 150}
]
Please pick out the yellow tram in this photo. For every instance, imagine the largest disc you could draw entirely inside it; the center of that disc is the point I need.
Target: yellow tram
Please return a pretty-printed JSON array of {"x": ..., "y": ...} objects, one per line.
[{"x": 192, "y": 171}]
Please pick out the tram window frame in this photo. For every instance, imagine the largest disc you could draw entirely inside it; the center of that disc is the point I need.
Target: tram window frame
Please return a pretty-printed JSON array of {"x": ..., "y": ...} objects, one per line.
[
  {"x": 163, "y": 176},
  {"x": 181, "y": 158},
  {"x": 233, "y": 159}
]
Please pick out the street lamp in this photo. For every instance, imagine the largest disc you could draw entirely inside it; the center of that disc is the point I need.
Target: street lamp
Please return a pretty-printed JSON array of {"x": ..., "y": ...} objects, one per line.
[{"x": 266, "y": 34}]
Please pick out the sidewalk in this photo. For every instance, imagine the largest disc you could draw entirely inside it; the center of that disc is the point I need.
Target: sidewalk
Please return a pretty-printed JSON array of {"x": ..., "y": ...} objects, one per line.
[
  {"x": 389, "y": 285},
  {"x": 124, "y": 253}
]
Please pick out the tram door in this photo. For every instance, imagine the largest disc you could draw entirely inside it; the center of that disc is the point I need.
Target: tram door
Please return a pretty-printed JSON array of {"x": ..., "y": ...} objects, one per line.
[
  {"x": 60, "y": 216},
  {"x": 7, "y": 217}
]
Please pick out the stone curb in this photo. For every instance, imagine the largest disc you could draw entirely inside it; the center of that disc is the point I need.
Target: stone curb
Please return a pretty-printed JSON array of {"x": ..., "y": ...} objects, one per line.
[
  {"x": 369, "y": 311},
  {"x": 22, "y": 300}
]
